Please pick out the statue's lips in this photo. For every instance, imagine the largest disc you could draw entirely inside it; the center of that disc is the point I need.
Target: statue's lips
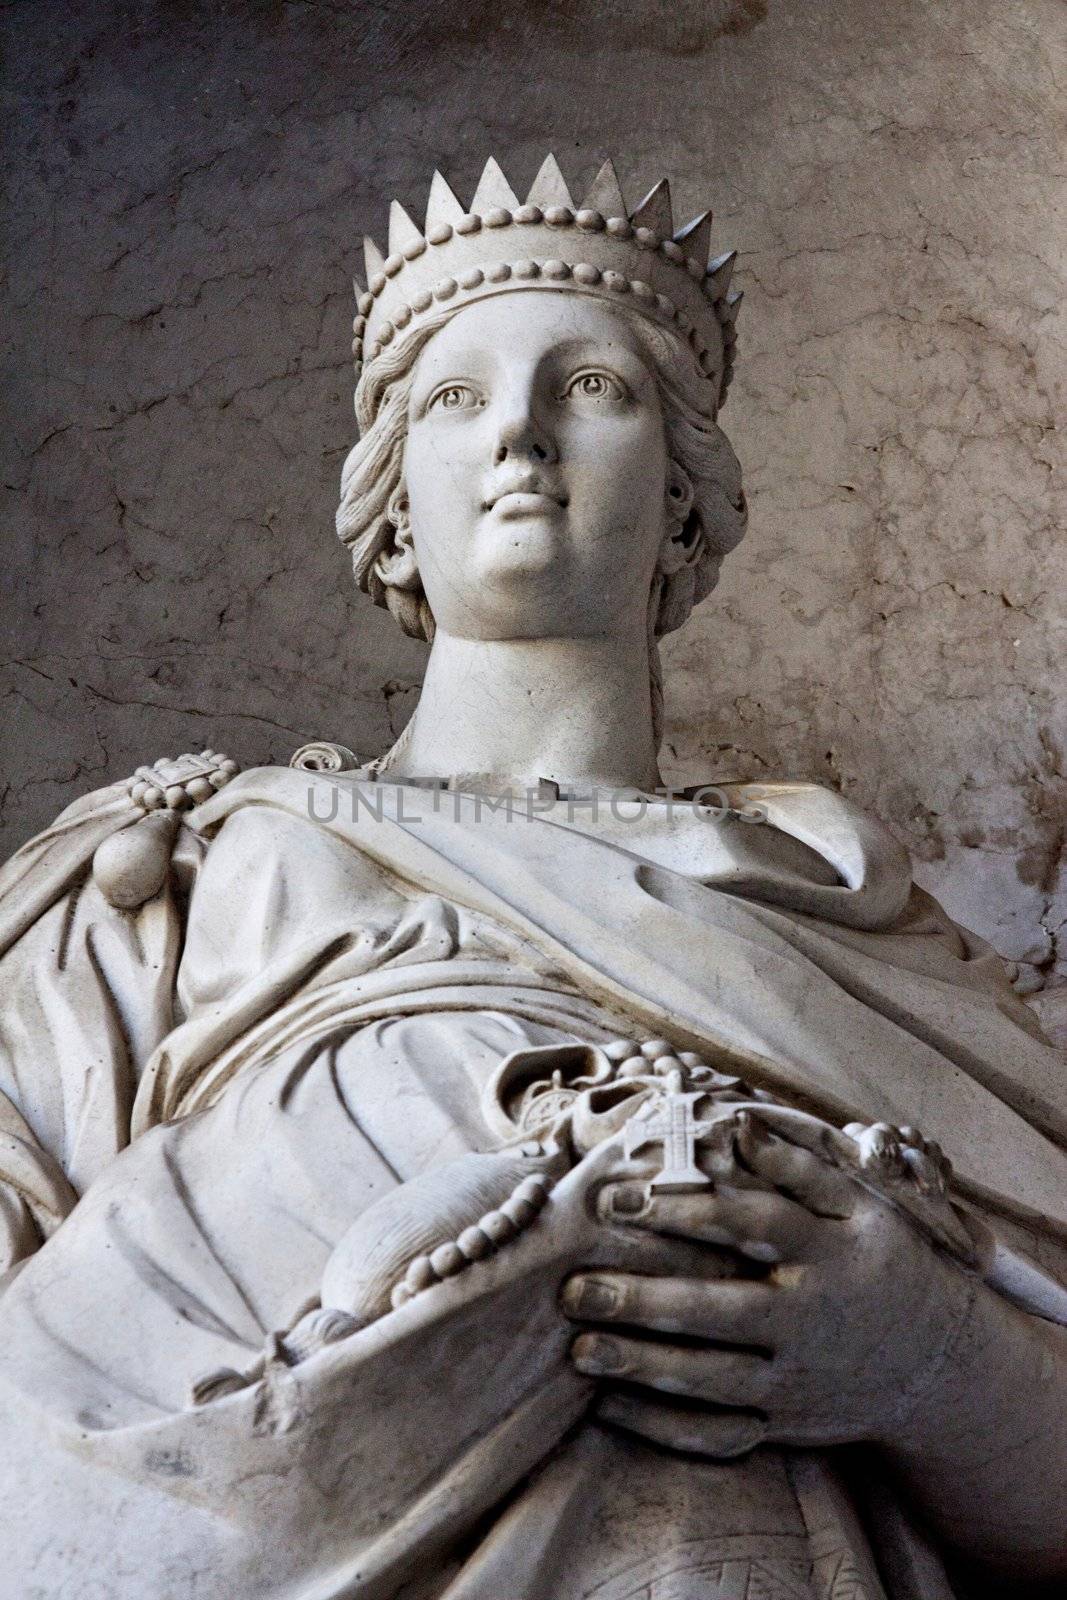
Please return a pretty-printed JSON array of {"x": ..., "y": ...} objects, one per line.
[{"x": 525, "y": 503}]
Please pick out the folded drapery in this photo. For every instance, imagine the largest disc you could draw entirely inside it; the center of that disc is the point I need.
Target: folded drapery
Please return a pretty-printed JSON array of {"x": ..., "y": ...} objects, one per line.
[{"x": 302, "y": 1020}]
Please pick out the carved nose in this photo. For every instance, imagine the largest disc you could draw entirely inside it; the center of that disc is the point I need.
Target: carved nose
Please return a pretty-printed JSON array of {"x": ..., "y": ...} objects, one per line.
[{"x": 523, "y": 440}]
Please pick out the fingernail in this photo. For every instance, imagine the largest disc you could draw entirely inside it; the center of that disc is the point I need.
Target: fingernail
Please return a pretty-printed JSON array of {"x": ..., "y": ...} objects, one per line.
[
  {"x": 750, "y": 1130},
  {"x": 595, "y": 1354},
  {"x": 589, "y": 1297},
  {"x": 624, "y": 1199},
  {"x": 760, "y": 1250}
]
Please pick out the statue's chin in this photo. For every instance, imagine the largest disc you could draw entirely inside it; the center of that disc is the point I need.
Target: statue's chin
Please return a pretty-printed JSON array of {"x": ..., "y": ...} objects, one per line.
[
  {"x": 521, "y": 552},
  {"x": 525, "y": 577}
]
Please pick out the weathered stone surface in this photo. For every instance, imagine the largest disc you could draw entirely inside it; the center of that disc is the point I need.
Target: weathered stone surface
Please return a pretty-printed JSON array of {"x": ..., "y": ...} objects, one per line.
[{"x": 187, "y": 189}]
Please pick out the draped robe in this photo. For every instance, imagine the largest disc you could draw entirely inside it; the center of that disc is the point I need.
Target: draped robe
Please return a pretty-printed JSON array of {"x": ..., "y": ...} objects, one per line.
[{"x": 202, "y": 1095}]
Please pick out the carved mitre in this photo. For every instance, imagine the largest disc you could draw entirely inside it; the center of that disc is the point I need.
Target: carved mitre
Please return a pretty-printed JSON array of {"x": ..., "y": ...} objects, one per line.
[{"x": 598, "y": 248}]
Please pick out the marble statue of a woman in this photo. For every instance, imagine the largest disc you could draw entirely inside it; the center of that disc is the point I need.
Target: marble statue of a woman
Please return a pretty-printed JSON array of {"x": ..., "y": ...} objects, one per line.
[{"x": 443, "y": 1178}]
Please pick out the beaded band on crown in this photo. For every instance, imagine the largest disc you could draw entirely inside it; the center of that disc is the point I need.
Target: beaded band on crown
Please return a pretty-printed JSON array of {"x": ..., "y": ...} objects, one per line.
[{"x": 598, "y": 248}]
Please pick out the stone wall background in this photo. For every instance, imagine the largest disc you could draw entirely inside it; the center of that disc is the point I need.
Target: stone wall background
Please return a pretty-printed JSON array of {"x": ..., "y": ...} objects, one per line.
[{"x": 187, "y": 185}]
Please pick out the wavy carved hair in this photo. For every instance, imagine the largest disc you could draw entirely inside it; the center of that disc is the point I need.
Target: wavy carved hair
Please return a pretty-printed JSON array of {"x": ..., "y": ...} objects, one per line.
[{"x": 704, "y": 494}]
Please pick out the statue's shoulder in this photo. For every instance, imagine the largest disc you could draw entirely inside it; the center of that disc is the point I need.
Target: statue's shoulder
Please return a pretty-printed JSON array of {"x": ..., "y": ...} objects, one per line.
[
  {"x": 269, "y": 801},
  {"x": 272, "y": 825},
  {"x": 873, "y": 865},
  {"x": 816, "y": 803},
  {"x": 126, "y": 841},
  {"x": 123, "y": 836}
]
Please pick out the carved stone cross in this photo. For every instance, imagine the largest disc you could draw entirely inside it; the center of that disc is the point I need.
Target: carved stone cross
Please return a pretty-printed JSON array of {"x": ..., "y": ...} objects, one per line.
[{"x": 672, "y": 1124}]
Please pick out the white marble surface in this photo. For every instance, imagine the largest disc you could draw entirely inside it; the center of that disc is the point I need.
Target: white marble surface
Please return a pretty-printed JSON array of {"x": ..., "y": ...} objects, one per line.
[{"x": 188, "y": 199}]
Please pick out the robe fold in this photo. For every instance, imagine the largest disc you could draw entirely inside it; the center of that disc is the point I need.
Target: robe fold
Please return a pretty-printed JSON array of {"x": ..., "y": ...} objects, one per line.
[{"x": 200, "y": 1098}]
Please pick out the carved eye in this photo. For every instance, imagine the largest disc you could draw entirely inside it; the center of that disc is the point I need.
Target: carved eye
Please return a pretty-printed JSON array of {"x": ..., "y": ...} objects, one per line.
[
  {"x": 595, "y": 386},
  {"x": 453, "y": 397}
]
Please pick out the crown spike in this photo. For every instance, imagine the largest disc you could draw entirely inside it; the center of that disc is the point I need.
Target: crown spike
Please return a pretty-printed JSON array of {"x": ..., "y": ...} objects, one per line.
[
  {"x": 549, "y": 188},
  {"x": 443, "y": 204},
  {"x": 357, "y": 287},
  {"x": 605, "y": 193},
  {"x": 493, "y": 190},
  {"x": 373, "y": 258},
  {"x": 728, "y": 316},
  {"x": 695, "y": 237},
  {"x": 720, "y": 271},
  {"x": 402, "y": 231},
  {"x": 655, "y": 211}
]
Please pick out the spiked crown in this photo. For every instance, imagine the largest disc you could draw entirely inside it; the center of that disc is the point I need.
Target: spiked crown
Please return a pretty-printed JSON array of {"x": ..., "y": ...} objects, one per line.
[{"x": 599, "y": 248}]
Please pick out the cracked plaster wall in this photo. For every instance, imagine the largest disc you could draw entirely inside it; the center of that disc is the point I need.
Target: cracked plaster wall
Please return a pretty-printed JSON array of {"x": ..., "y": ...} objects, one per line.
[{"x": 186, "y": 185}]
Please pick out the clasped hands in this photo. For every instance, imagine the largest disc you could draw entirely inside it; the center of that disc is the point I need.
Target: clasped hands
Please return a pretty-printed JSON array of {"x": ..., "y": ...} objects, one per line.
[{"x": 835, "y": 1334}]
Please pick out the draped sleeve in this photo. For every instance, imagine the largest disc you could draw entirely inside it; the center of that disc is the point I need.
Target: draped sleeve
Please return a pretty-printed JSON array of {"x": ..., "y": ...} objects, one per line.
[{"x": 88, "y": 993}]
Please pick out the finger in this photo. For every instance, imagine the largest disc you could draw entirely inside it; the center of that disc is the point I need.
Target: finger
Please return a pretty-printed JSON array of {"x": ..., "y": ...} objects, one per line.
[
  {"x": 760, "y": 1223},
  {"x": 722, "y": 1435},
  {"x": 721, "y": 1377},
  {"x": 796, "y": 1172},
  {"x": 735, "y": 1312}
]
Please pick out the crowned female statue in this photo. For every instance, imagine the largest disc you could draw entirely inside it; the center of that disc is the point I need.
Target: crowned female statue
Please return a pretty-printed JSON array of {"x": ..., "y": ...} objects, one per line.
[{"x": 478, "y": 1174}]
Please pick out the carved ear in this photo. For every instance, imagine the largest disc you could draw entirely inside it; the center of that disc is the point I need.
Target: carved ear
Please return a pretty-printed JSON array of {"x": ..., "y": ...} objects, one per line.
[
  {"x": 687, "y": 569},
  {"x": 680, "y": 491},
  {"x": 395, "y": 564},
  {"x": 679, "y": 550},
  {"x": 682, "y": 530},
  {"x": 682, "y": 534}
]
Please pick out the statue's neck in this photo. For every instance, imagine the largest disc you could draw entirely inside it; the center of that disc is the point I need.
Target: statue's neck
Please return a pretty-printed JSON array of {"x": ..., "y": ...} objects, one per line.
[{"x": 569, "y": 710}]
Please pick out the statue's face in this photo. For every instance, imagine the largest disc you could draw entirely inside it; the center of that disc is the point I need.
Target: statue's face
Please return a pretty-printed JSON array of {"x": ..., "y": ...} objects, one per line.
[{"x": 536, "y": 469}]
